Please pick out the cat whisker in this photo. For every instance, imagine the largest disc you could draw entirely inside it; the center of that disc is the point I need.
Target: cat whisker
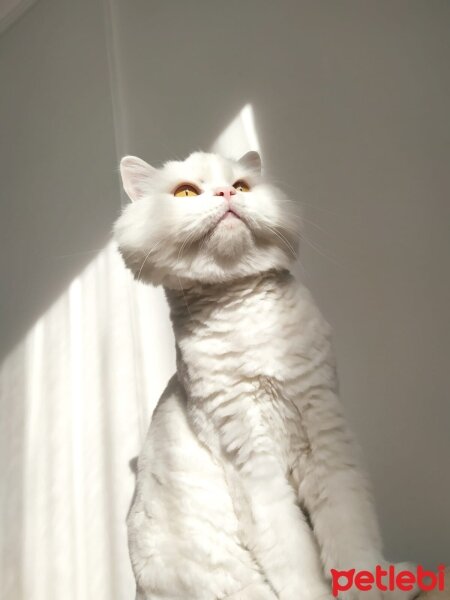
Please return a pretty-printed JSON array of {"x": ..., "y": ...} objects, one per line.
[
  {"x": 185, "y": 244},
  {"x": 277, "y": 234},
  {"x": 318, "y": 249},
  {"x": 152, "y": 249},
  {"x": 206, "y": 237},
  {"x": 321, "y": 229},
  {"x": 84, "y": 252},
  {"x": 283, "y": 239}
]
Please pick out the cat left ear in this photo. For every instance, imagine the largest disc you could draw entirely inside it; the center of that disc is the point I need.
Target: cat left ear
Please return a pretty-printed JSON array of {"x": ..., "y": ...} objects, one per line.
[
  {"x": 136, "y": 174},
  {"x": 251, "y": 160}
]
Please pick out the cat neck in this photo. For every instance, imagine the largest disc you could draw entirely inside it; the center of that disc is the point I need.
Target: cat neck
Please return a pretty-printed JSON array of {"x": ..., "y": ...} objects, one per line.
[{"x": 194, "y": 303}]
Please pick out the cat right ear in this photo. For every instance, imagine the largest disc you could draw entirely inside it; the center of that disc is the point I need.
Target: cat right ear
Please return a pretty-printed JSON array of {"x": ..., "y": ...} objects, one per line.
[
  {"x": 136, "y": 174},
  {"x": 251, "y": 160}
]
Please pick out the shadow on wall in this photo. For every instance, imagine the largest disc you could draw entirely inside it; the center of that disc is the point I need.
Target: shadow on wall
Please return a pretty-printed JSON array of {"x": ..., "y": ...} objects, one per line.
[{"x": 57, "y": 157}]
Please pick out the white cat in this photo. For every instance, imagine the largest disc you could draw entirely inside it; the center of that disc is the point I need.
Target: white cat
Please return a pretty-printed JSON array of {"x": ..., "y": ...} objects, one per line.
[{"x": 248, "y": 485}]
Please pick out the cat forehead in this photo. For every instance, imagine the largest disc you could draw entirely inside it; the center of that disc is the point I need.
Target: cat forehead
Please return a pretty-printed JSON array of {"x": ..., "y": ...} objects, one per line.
[{"x": 203, "y": 166}]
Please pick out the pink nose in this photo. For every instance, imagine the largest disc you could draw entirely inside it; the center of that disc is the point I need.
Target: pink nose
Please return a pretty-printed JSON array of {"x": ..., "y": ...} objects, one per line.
[{"x": 226, "y": 192}]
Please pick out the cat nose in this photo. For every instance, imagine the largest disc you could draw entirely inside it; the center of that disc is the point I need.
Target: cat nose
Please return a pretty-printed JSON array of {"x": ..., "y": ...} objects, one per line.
[{"x": 226, "y": 192}]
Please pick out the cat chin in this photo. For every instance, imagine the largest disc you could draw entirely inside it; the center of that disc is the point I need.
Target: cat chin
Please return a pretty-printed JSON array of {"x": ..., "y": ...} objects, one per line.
[
  {"x": 222, "y": 269},
  {"x": 230, "y": 240},
  {"x": 229, "y": 254}
]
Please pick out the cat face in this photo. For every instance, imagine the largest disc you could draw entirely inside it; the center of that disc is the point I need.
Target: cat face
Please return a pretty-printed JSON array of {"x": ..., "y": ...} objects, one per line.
[{"x": 206, "y": 219}]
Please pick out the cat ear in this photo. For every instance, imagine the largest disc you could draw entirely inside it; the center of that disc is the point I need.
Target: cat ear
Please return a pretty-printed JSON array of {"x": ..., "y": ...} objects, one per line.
[
  {"x": 251, "y": 160},
  {"x": 136, "y": 174}
]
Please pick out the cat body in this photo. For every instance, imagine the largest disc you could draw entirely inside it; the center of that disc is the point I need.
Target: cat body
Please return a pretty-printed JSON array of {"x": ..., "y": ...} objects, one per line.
[{"x": 249, "y": 484}]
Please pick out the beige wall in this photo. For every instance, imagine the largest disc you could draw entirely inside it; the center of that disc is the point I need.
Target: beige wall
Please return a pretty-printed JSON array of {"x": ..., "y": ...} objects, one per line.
[{"x": 352, "y": 104}]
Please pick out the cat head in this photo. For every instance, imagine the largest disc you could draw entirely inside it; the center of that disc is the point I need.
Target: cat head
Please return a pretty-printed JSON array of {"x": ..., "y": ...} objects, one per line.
[{"x": 206, "y": 219}]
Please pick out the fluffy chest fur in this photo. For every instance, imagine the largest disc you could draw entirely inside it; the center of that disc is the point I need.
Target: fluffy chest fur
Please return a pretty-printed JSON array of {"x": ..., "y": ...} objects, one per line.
[{"x": 247, "y": 355}]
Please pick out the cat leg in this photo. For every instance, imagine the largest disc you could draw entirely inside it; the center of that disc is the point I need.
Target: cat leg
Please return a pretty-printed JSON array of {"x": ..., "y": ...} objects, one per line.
[
  {"x": 254, "y": 591},
  {"x": 336, "y": 492},
  {"x": 182, "y": 528},
  {"x": 278, "y": 534}
]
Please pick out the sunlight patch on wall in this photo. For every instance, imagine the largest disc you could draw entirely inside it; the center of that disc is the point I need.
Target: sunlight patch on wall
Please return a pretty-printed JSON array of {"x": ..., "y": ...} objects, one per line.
[
  {"x": 239, "y": 136},
  {"x": 79, "y": 391}
]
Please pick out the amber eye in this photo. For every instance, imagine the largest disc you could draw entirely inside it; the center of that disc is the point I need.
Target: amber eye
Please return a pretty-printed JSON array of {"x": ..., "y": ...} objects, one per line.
[
  {"x": 186, "y": 190},
  {"x": 241, "y": 186}
]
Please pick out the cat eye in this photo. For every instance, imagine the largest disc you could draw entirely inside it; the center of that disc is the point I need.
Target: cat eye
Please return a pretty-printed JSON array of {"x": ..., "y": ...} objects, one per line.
[
  {"x": 241, "y": 186},
  {"x": 185, "y": 190}
]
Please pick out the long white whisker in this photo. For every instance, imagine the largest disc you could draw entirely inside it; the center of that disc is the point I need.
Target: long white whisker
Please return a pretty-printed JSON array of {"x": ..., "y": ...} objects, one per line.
[
  {"x": 185, "y": 243},
  {"x": 277, "y": 234},
  {"x": 152, "y": 249},
  {"x": 318, "y": 250},
  {"x": 205, "y": 239},
  {"x": 283, "y": 239}
]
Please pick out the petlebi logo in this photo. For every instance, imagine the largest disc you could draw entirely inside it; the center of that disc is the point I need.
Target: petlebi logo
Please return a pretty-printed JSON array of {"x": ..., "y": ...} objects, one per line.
[{"x": 388, "y": 579}]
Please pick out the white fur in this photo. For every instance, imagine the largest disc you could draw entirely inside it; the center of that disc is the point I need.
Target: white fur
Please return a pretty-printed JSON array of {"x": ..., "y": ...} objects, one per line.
[
  {"x": 249, "y": 437},
  {"x": 172, "y": 241}
]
